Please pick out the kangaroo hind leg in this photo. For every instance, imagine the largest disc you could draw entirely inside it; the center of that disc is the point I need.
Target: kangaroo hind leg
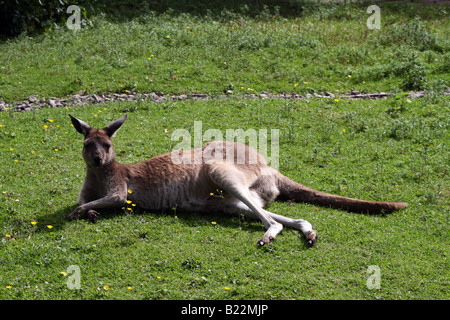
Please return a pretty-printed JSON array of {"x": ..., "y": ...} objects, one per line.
[{"x": 234, "y": 182}]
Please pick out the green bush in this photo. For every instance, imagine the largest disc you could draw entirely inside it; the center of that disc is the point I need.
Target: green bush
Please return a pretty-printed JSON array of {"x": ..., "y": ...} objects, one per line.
[{"x": 30, "y": 15}]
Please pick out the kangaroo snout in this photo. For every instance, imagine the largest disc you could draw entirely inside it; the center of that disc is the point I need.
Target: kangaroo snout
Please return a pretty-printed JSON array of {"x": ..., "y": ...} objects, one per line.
[{"x": 98, "y": 161}]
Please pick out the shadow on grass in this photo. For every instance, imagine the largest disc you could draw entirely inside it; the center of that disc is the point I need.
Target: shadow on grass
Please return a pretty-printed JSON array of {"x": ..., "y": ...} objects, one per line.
[{"x": 56, "y": 219}]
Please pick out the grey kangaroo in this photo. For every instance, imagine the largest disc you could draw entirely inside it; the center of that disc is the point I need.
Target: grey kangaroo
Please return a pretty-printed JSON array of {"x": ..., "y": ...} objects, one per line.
[{"x": 161, "y": 183}]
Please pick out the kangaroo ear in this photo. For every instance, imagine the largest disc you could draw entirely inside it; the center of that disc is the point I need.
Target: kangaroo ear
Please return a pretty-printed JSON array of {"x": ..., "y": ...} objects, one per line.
[
  {"x": 81, "y": 126},
  {"x": 114, "y": 126}
]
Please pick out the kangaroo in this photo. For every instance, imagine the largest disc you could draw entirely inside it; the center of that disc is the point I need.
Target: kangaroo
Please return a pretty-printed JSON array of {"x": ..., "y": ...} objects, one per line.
[{"x": 160, "y": 183}]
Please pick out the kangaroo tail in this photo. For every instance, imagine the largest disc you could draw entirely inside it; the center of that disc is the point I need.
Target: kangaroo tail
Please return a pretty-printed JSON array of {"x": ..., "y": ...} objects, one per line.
[{"x": 291, "y": 190}]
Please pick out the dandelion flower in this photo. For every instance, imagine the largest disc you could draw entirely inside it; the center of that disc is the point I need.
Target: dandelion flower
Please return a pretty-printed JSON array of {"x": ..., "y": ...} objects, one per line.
[
  {"x": 51, "y": 120},
  {"x": 8, "y": 287},
  {"x": 226, "y": 288},
  {"x": 56, "y": 149},
  {"x": 129, "y": 191},
  {"x": 213, "y": 222},
  {"x": 129, "y": 287},
  {"x": 49, "y": 226},
  {"x": 129, "y": 209},
  {"x": 11, "y": 149},
  {"x": 306, "y": 82},
  {"x": 8, "y": 235},
  {"x": 296, "y": 84},
  {"x": 129, "y": 201},
  {"x": 34, "y": 223},
  {"x": 211, "y": 194},
  {"x": 133, "y": 204},
  {"x": 106, "y": 287},
  {"x": 337, "y": 100}
]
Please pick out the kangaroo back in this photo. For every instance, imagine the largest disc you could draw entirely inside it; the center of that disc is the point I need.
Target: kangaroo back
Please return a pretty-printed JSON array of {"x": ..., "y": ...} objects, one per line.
[{"x": 291, "y": 190}]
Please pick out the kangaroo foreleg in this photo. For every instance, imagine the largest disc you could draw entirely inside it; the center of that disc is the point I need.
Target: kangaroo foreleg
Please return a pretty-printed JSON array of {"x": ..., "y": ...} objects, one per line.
[{"x": 86, "y": 210}]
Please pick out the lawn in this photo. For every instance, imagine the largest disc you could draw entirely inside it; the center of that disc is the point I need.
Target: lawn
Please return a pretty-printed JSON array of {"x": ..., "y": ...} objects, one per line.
[{"x": 394, "y": 149}]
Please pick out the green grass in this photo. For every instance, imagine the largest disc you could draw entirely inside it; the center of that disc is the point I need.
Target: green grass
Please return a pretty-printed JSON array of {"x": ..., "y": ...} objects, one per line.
[
  {"x": 324, "y": 47},
  {"x": 391, "y": 150},
  {"x": 381, "y": 155}
]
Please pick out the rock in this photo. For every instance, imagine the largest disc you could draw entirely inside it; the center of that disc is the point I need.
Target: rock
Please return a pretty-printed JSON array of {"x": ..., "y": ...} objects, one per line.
[
  {"x": 229, "y": 91},
  {"x": 96, "y": 99},
  {"x": 199, "y": 96},
  {"x": 32, "y": 98},
  {"x": 52, "y": 102}
]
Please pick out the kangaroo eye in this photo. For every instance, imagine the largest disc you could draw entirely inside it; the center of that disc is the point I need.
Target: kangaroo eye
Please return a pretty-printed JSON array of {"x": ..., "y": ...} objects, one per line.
[{"x": 107, "y": 146}]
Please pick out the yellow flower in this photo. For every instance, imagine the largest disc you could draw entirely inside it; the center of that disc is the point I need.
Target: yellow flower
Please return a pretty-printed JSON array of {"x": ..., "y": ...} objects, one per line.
[
  {"x": 56, "y": 149},
  {"x": 11, "y": 149},
  {"x": 129, "y": 191},
  {"x": 106, "y": 287},
  {"x": 349, "y": 76},
  {"x": 8, "y": 235},
  {"x": 133, "y": 204},
  {"x": 306, "y": 82},
  {"x": 337, "y": 100},
  {"x": 129, "y": 209},
  {"x": 213, "y": 222},
  {"x": 211, "y": 194},
  {"x": 226, "y": 288},
  {"x": 95, "y": 115},
  {"x": 129, "y": 201},
  {"x": 149, "y": 58},
  {"x": 8, "y": 287},
  {"x": 50, "y": 120},
  {"x": 296, "y": 84},
  {"x": 33, "y": 223},
  {"x": 129, "y": 287},
  {"x": 63, "y": 273},
  {"x": 1, "y": 125},
  {"x": 49, "y": 226}
]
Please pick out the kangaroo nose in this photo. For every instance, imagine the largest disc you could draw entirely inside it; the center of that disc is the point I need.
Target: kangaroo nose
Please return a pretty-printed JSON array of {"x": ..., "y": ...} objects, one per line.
[{"x": 98, "y": 161}]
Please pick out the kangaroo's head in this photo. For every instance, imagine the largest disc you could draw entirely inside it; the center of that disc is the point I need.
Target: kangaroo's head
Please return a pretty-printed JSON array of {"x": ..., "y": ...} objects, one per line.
[{"x": 98, "y": 150}]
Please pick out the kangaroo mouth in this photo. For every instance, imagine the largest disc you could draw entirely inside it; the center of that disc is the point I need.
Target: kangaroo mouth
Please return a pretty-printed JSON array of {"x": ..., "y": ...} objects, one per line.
[{"x": 98, "y": 162}]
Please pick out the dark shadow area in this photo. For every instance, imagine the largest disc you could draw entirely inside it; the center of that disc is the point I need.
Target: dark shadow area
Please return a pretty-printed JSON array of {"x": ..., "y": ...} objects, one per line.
[
  {"x": 57, "y": 222},
  {"x": 191, "y": 219},
  {"x": 32, "y": 16}
]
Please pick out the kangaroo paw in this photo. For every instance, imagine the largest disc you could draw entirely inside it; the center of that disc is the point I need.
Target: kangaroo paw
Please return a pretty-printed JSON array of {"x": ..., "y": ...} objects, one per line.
[{"x": 311, "y": 238}]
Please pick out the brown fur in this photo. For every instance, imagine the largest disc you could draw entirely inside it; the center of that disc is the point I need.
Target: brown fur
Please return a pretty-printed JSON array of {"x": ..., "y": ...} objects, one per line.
[{"x": 159, "y": 183}]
